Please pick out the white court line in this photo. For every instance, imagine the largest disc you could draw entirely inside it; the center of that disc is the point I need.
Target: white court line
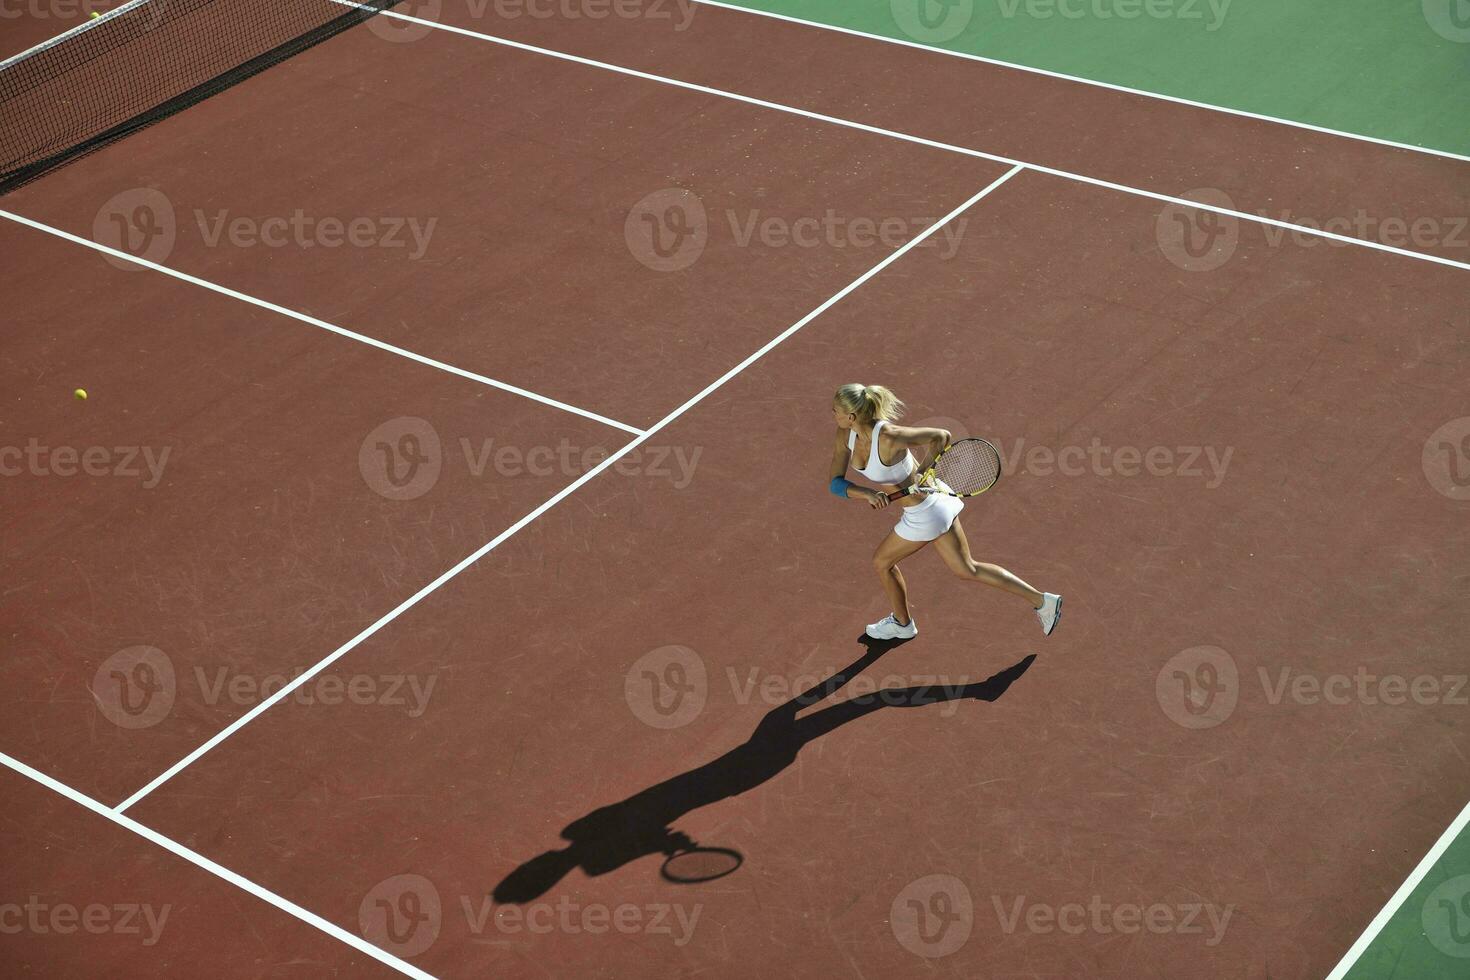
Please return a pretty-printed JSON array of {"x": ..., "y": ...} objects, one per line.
[
  {"x": 313, "y": 321},
  {"x": 919, "y": 140},
  {"x": 1460, "y": 824},
  {"x": 219, "y": 871},
  {"x": 1399, "y": 897},
  {"x": 1078, "y": 79},
  {"x": 413, "y": 600}
]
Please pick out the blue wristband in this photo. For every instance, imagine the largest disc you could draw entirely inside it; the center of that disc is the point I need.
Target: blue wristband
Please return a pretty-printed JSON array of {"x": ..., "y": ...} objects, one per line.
[{"x": 839, "y": 486}]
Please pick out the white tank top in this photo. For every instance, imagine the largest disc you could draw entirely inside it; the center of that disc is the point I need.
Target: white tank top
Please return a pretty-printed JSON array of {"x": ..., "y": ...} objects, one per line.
[{"x": 877, "y": 470}]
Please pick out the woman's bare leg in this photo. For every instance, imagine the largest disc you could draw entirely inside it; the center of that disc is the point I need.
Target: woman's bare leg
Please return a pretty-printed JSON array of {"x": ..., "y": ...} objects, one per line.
[
  {"x": 955, "y": 551},
  {"x": 893, "y": 550}
]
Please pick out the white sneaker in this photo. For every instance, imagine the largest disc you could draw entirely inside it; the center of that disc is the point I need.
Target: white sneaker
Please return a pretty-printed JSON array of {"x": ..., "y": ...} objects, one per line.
[
  {"x": 1050, "y": 612},
  {"x": 889, "y": 628}
]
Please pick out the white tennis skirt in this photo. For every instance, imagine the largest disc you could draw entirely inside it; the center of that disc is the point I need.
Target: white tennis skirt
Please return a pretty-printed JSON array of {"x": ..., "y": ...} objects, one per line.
[{"x": 928, "y": 520}]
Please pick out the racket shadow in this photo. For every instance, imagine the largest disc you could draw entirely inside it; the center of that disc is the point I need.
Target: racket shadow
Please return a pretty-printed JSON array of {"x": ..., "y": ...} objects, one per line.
[{"x": 612, "y": 836}]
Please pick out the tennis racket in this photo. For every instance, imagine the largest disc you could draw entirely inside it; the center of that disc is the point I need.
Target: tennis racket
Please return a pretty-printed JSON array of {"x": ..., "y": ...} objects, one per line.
[{"x": 962, "y": 469}]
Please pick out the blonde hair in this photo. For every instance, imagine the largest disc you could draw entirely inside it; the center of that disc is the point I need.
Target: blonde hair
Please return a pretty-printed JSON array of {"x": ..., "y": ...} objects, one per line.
[{"x": 870, "y": 403}]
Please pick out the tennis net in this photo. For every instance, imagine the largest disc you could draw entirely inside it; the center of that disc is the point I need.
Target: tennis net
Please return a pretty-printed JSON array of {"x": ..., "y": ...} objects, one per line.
[{"x": 144, "y": 61}]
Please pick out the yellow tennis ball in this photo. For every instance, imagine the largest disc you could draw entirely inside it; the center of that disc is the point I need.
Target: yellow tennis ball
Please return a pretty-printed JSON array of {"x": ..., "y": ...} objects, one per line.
[
  {"x": 81, "y": 394},
  {"x": 95, "y": 15}
]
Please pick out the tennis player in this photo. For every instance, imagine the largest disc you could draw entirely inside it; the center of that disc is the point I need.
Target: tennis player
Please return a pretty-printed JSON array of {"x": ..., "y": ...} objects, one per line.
[{"x": 866, "y": 417}]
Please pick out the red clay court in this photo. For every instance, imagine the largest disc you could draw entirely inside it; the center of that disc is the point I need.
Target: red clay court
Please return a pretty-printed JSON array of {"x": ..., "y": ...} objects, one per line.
[{"x": 444, "y": 523}]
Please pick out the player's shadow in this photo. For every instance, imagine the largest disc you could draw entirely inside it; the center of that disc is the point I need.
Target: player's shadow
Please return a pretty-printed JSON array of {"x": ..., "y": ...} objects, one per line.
[{"x": 611, "y": 836}]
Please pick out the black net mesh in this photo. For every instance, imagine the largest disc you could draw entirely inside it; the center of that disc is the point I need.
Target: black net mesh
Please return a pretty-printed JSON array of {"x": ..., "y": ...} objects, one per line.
[
  {"x": 969, "y": 466},
  {"x": 144, "y": 61}
]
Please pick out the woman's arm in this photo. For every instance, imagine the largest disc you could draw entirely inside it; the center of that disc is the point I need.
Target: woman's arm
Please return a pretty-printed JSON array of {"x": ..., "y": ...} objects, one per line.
[
  {"x": 841, "y": 459},
  {"x": 928, "y": 442}
]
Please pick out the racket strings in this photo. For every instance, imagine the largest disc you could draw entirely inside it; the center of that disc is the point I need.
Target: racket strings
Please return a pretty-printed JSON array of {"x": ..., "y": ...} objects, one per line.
[{"x": 969, "y": 466}]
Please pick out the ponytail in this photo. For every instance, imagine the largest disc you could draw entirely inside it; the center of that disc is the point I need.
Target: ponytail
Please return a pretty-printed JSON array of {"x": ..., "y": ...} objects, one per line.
[{"x": 870, "y": 403}]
